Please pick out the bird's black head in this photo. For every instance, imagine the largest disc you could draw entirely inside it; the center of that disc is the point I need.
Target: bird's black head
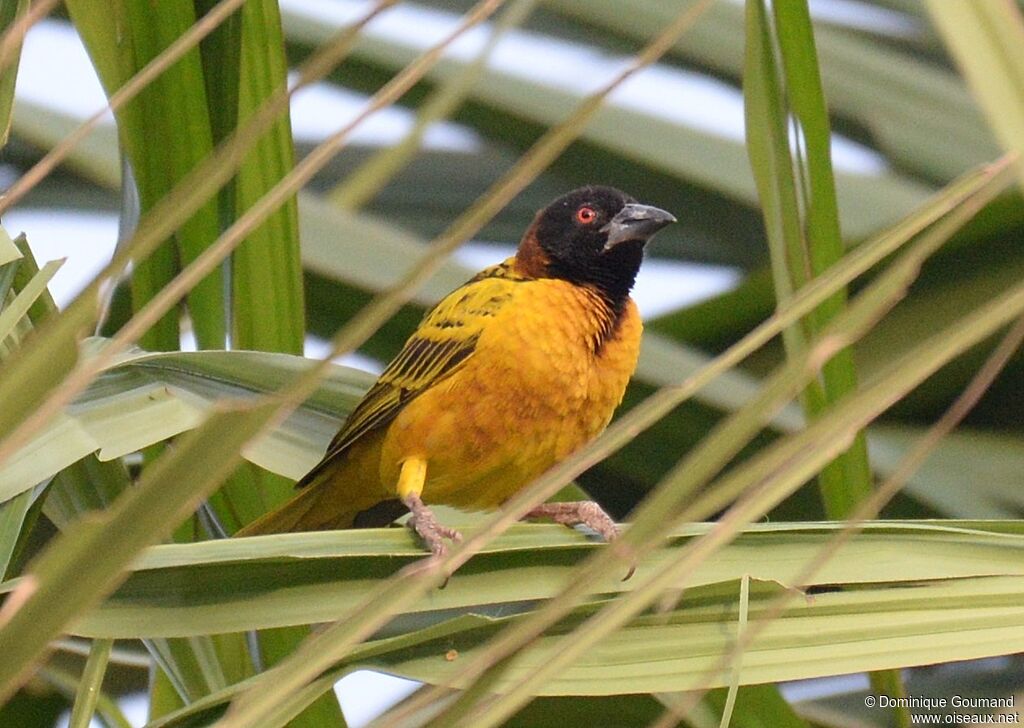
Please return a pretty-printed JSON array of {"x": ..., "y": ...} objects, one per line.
[{"x": 592, "y": 236}]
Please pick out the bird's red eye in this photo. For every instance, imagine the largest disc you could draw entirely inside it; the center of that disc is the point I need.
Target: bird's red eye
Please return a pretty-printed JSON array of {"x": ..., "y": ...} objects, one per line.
[{"x": 586, "y": 215}]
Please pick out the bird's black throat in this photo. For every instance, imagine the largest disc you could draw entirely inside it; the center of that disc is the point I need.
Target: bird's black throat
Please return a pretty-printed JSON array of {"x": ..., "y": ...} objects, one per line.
[{"x": 611, "y": 273}]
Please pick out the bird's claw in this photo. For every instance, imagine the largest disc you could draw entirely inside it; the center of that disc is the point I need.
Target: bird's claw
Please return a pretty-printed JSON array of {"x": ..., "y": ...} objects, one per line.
[
  {"x": 587, "y": 513},
  {"x": 629, "y": 574},
  {"x": 428, "y": 528},
  {"x": 434, "y": 535}
]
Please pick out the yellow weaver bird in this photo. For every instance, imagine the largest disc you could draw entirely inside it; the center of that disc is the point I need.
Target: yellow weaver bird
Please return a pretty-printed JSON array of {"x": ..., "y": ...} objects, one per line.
[{"x": 506, "y": 376}]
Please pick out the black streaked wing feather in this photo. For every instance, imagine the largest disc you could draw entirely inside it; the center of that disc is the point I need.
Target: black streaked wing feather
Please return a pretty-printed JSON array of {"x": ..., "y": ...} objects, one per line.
[{"x": 444, "y": 340}]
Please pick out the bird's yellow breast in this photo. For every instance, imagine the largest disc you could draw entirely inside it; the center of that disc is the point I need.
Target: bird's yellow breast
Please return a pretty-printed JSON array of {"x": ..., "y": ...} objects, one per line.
[{"x": 547, "y": 373}]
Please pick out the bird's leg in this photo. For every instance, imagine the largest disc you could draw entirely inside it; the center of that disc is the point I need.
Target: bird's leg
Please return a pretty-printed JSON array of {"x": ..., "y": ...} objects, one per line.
[
  {"x": 588, "y": 513},
  {"x": 423, "y": 521}
]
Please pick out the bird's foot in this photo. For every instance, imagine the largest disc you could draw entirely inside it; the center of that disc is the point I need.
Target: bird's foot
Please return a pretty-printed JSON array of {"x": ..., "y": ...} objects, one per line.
[
  {"x": 588, "y": 513},
  {"x": 426, "y": 525}
]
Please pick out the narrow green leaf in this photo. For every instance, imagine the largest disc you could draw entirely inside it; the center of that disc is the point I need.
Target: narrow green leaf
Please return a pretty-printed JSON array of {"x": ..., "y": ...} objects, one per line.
[
  {"x": 221, "y": 54},
  {"x": 13, "y": 313},
  {"x": 325, "y": 711},
  {"x": 147, "y": 398},
  {"x": 190, "y": 665},
  {"x": 205, "y": 711},
  {"x": 757, "y": 706},
  {"x": 734, "y": 678},
  {"x": 288, "y": 579},
  {"x": 221, "y": 58},
  {"x": 38, "y": 366},
  {"x": 8, "y": 250},
  {"x": 7, "y": 273},
  {"x": 848, "y": 480},
  {"x": 34, "y": 710},
  {"x": 890, "y": 682},
  {"x": 8, "y": 276},
  {"x": 114, "y": 57},
  {"x": 163, "y": 698},
  {"x": 27, "y": 270},
  {"x": 89, "y": 484},
  {"x": 799, "y": 205},
  {"x": 266, "y": 270},
  {"x": 165, "y": 131},
  {"x": 90, "y": 685},
  {"x": 12, "y": 518},
  {"x": 768, "y": 149},
  {"x": 67, "y": 684},
  {"x": 559, "y": 712},
  {"x": 679, "y": 650}
]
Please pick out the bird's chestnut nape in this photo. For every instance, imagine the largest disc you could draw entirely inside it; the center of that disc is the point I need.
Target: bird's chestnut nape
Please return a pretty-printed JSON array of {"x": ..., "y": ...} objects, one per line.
[{"x": 595, "y": 236}]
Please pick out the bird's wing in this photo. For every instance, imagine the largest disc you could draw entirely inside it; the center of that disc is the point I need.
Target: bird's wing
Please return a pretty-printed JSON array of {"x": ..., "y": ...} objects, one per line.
[{"x": 442, "y": 343}]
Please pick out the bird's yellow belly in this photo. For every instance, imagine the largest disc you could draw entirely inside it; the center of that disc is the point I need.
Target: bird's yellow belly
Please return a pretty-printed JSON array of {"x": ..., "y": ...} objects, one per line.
[{"x": 534, "y": 391}]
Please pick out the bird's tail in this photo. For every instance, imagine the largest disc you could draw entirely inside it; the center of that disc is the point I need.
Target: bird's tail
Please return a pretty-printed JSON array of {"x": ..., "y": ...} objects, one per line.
[{"x": 311, "y": 509}]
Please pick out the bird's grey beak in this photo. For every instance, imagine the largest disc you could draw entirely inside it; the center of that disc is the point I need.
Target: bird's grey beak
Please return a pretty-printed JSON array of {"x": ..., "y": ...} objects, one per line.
[{"x": 635, "y": 222}]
